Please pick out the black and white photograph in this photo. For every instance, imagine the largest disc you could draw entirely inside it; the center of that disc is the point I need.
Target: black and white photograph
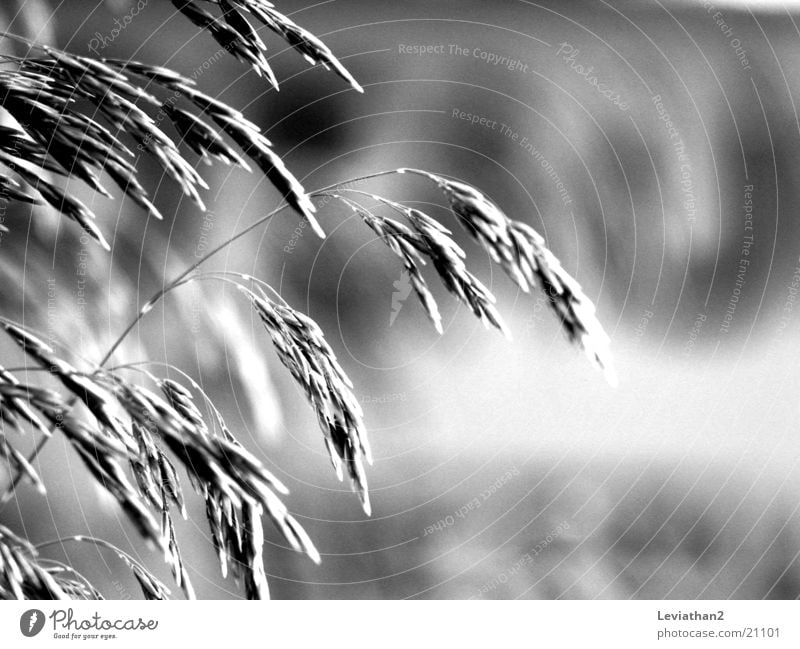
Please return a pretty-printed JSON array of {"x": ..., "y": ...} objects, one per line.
[{"x": 415, "y": 300}]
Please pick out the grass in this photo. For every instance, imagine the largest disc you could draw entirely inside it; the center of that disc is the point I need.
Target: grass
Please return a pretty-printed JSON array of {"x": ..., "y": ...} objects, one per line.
[{"x": 132, "y": 427}]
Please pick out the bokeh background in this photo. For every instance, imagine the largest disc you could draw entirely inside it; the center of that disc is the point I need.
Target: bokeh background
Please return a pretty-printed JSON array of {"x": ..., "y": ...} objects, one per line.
[{"x": 503, "y": 469}]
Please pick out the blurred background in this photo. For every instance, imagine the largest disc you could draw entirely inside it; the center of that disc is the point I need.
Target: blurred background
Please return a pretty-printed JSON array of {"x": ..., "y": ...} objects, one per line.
[{"x": 653, "y": 144}]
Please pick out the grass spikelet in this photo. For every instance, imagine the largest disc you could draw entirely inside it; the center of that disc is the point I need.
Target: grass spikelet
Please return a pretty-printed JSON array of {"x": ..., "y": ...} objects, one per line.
[
  {"x": 73, "y": 583},
  {"x": 236, "y": 523},
  {"x": 237, "y": 36},
  {"x": 135, "y": 439},
  {"x": 42, "y": 94},
  {"x": 522, "y": 254},
  {"x": 405, "y": 244},
  {"x": 174, "y": 558},
  {"x": 224, "y": 472},
  {"x": 152, "y": 587},
  {"x": 236, "y": 486},
  {"x": 448, "y": 258},
  {"x": 10, "y": 190},
  {"x": 201, "y": 138},
  {"x": 159, "y": 484},
  {"x": 303, "y": 350},
  {"x": 16, "y": 409},
  {"x": 251, "y": 554},
  {"x": 22, "y": 576},
  {"x": 250, "y": 140},
  {"x": 69, "y": 206},
  {"x": 103, "y": 453},
  {"x": 312, "y": 49},
  {"x": 257, "y": 148},
  {"x": 18, "y": 463},
  {"x": 97, "y": 400},
  {"x": 567, "y": 299},
  {"x": 104, "y": 461}
]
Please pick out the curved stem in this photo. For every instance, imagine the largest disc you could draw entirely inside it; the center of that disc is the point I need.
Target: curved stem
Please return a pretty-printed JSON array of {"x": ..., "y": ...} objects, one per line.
[
  {"x": 64, "y": 567},
  {"x": 80, "y": 538},
  {"x": 162, "y": 292},
  {"x": 248, "y": 278},
  {"x": 9, "y": 491},
  {"x": 209, "y": 403},
  {"x": 177, "y": 281}
]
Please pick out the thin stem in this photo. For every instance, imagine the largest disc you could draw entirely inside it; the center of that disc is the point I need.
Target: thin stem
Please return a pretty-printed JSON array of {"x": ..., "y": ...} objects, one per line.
[
  {"x": 209, "y": 403},
  {"x": 64, "y": 567},
  {"x": 80, "y": 538},
  {"x": 138, "y": 568},
  {"x": 247, "y": 278},
  {"x": 162, "y": 292},
  {"x": 176, "y": 282}
]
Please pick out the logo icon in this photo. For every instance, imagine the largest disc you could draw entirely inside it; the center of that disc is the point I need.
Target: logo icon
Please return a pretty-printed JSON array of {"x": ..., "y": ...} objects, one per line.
[
  {"x": 31, "y": 622},
  {"x": 400, "y": 295}
]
